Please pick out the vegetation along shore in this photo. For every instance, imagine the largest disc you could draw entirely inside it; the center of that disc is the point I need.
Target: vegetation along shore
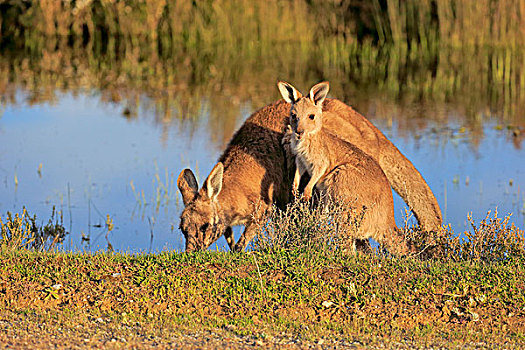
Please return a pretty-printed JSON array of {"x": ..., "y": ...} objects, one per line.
[{"x": 293, "y": 289}]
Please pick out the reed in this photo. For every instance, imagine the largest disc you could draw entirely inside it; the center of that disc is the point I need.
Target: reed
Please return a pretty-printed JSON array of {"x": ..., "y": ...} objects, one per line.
[
  {"x": 242, "y": 23},
  {"x": 180, "y": 57}
]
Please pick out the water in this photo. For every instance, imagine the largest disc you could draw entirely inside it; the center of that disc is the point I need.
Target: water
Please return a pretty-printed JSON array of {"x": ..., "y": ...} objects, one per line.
[
  {"x": 91, "y": 155},
  {"x": 85, "y": 156}
]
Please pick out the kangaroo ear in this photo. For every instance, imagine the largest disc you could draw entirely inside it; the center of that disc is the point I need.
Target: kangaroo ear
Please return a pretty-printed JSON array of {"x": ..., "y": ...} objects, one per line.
[
  {"x": 188, "y": 186},
  {"x": 289, "y": 93},
  {"x": 214, "y": 181},
  {"x": 318, "y": 92}
]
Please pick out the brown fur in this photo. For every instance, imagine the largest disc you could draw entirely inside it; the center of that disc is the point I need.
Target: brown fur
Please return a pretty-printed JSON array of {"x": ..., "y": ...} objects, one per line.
[
  {"x": 340, "y": 171},
  {"x": 254, "y": 177},
  {"x": 256, "y": 173},
  {"x": 345, "y": 123}
]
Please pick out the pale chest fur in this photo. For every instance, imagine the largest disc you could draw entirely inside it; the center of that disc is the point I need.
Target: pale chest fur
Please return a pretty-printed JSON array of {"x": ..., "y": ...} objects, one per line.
[{"x": 311, "y": 153}]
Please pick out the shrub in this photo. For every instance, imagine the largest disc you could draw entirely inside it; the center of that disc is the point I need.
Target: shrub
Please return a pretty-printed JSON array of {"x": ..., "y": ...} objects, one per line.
[
  {"x": 20, "y": 231},
  {"x": 301, "y": 226},
  {"x": 318, "y": 229},
  {"x": 490, "y": 241}
]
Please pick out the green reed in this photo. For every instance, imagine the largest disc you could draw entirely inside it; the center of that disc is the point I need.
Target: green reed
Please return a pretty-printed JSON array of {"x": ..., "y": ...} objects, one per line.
[{"x": 186, "y": 57}]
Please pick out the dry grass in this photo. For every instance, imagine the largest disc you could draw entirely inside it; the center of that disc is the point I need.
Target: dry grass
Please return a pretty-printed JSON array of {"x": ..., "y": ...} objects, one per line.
[
  {"x": 492, "y": 240},
  {"x": 317, "y": 230},
  {"x": 21, "y": 231},
  {"x": 298, "y": 227},
  {"x": 302, "y": 227}
]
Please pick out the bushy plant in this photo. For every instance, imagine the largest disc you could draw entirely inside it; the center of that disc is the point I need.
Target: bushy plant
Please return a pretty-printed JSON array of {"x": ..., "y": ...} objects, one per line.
[
  {"x": 325, "y": 229},
  {"x": 307, "y": 227},
  {"x": 20, "y": 231},
  {"x": 494, "y": 239}
]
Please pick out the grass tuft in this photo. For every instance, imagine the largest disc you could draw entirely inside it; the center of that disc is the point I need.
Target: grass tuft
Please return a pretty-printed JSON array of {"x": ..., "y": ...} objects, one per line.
[
  {"x": 20, "y": 231},
  {"x": 299, "y": 227},
  {"x": 492, "y": 240}
]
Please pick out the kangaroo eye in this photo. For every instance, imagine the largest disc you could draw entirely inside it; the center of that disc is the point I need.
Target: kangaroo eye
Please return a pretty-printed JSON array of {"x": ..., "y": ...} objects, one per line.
[
  {"x": 311, "y": 116},
  {"x": 294, "y": 116},
  {"x": 204, "y": 227}
]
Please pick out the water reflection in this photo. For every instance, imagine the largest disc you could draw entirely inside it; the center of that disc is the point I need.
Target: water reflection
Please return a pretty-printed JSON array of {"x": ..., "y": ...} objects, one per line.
[
  {"x": 101, "y": 168},
  {"x": 103, "y": 103},
  {"x": 409, "y": 90}
]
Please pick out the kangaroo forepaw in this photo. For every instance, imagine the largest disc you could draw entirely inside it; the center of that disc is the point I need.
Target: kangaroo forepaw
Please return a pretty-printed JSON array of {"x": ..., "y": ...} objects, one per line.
[
  {"x": 287, "y": 135},
  {"x": 307, "y": 194}
]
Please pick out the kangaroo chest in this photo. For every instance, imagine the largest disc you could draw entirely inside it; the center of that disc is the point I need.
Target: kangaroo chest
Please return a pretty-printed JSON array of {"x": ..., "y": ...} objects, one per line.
[{"x": 311, "y": 154}]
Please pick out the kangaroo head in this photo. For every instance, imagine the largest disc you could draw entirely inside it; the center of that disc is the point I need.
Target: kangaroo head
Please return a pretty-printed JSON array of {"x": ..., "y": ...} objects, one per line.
[
  {"x": 306, "y": 112},
  {"x": 200, "y": 221}
]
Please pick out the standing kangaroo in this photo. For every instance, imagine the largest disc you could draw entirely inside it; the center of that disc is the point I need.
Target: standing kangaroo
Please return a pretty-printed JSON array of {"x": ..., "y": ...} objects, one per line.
[
  {"x": 252, "y": 173},
  {"x": 339, "y": 170}
]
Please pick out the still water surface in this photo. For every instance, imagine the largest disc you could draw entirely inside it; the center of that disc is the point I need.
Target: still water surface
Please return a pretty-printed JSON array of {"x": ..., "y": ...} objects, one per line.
[{"x": 84, "y": 156}]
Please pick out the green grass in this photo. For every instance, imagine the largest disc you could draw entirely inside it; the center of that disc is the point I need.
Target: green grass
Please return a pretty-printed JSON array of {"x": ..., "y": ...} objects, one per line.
[
  {"x": 367, "y": 298},
  {"x": 296, "y": 284}
]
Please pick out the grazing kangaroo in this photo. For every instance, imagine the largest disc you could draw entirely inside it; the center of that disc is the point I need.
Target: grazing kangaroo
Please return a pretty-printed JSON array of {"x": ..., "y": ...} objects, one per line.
[
  {"x": 339, "y": 170},
  {"x": 255, "y": 173},
  {"x": 250, "y": 176}
]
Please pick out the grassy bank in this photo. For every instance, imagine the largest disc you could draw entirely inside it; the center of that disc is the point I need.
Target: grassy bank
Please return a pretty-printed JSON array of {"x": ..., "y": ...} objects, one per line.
[
  {"x": 267, "y": 298},
  {"x": 295, "y": 287}
]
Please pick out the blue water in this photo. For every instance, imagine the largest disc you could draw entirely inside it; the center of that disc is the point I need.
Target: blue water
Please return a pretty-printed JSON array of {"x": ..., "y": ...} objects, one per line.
[{"x": 96, "y": 162}]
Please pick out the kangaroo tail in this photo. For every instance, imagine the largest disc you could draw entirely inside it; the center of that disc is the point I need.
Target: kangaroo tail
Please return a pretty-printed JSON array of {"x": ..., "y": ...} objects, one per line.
[{"x": 410, "y": 185}]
